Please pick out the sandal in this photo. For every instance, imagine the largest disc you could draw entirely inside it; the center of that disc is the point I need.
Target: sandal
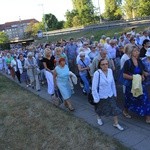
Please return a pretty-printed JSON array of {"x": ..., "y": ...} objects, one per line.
[
  {"x": 148, "y": 121},
  {"x": 118, "y": 126},
  {"x": 71, "y": 108},
  {"x": 126, "y": 115}
]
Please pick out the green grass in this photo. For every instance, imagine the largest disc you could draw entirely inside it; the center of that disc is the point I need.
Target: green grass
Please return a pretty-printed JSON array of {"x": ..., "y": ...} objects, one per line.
[
  {"x": 97, "y": 33},
  {"x": 29, "y": 123}
]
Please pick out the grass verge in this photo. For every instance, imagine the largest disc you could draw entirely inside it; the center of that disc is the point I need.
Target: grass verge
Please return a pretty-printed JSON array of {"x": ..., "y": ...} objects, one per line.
[
  {"x": 97, "y": 33},
  {"x": 29, "y": 123}
]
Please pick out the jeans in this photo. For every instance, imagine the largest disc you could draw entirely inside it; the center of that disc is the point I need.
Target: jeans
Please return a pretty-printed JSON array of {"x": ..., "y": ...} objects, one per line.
[{"x": 86, "y": 83}]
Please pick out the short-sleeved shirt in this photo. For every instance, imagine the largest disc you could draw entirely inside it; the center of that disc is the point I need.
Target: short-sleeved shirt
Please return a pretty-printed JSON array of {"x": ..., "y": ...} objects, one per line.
[
  {"x": 83, "y": 65},
  {"x": 71, "y": 50},
  {"x": 49, "y": 62}
]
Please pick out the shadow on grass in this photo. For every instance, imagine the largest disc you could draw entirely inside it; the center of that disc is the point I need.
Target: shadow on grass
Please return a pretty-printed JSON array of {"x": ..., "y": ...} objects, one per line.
[{"x": 28, "y": 122}]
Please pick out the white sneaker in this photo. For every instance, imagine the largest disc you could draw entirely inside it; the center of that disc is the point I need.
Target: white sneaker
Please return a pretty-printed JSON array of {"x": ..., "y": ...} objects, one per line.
[
  {"x": 99, "y": 121},
  {"x": 119, "y": 127}
]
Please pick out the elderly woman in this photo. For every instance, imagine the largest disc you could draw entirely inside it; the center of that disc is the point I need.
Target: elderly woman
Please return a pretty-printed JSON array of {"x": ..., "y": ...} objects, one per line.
[
  {"x": 61, "y": 78},
  {"x": 24, "y": 76},
  {"x": 8, "y": 62},
  {"x": 104, "y": 93},
  {"x": 139, "y": 104},
  {"x": 93, "y": 52},
  {"x": 32, "y": 71},
  {"x": 17, "y": 66},
  {"x": 83, "y": 67},
  {"x": 49, "y": 65},
  {"x": 59, "y": 54}
]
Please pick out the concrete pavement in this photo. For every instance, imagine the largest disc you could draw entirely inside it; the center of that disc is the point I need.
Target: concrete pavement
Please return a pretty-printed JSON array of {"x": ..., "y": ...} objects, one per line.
[{"x": 136, "y": 135}]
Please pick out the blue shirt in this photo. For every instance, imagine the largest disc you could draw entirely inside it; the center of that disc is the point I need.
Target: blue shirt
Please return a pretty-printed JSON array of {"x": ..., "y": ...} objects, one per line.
[{"x": 71, "y": 50}]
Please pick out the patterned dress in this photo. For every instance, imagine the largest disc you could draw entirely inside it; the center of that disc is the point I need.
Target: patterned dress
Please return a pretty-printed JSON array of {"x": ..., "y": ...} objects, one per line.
[
  {"x": 141, "y": 104},
  {"x": 146, "y": 63}
]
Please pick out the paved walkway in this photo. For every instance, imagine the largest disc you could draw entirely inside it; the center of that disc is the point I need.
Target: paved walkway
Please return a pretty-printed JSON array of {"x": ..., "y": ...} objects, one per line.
[{"x": 136, "y": 135}]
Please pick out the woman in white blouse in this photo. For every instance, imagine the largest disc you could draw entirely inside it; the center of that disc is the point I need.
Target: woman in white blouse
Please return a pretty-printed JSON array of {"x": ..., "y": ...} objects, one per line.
[{"x": 104, "y": 94}]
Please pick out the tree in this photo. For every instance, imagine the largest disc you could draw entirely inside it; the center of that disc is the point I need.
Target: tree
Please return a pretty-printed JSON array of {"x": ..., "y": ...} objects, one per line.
[
  {"x": 143, "y": 8},
  {"x": 3, "y": 38},
  {"x": 130, "y": 8},
  {"x": 82, "y": 14},
  {"x": 69, "y": 17},
  {"x": 33, "y": 28},
  {"x": 60, "y": 24},
  {"x": 85, "y": 11},
  {"x": 50, "y": 21},
  {"x": 113, "y": 10}
]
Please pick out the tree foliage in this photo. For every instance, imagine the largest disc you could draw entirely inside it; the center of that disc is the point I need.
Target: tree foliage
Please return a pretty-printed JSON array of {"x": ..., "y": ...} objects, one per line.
[
  {"x": 112, "y": 10},
  {"x": 144, "y": 8},
  {"x": 33, "y": 28},
  {"x": 130, "y": 8},
  {"x": 69, "y": 17},
  {"x": 82, "y": 14},
  {"x": 138, "y": 8},
  {"x": 3, "y": 38},
  {"x": 50, "y": 21}
]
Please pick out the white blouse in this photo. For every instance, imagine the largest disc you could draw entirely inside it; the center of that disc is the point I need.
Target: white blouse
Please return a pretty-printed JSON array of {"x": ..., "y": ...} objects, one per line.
[{"x": 107, "y": 87}]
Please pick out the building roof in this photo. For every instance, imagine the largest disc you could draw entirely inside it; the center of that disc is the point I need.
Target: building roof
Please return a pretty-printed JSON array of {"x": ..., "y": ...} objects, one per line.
[
  {"x": 1, "y": 27},
  {"x": 10, "y": 24}
]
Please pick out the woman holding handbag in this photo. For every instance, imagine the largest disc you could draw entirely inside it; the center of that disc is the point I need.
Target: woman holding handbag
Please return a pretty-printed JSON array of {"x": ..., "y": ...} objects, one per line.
[{"x": 104, "y": 94}]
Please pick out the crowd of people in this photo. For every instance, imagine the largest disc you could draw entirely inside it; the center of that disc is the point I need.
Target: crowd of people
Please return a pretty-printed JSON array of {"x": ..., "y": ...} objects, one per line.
[{"x": 97, "y": 65}]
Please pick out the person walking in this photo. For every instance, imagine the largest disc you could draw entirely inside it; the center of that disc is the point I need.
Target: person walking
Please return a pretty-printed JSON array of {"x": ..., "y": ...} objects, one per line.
[
  {"x": 32, "y": 71},
  {"x": 49, "y": 65},
  {"x": 61, "y": 78},
  {"x": 17, "y": 66},
  {"x": 105, "y": 94},
  {"x": 136, "y": 102}
]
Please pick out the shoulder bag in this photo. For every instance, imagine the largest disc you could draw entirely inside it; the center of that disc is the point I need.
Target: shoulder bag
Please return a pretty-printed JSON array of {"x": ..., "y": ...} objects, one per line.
[{"x": 90, "y": 96}]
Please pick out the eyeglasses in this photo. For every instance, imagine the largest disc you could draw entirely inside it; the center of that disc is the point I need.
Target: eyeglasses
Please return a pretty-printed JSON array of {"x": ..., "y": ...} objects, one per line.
[{"x": 104, "y": 64}]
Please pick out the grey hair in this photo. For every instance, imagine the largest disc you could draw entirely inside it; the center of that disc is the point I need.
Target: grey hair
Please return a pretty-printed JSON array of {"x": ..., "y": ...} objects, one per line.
[
  {"x": 128, "y": 49},
  {"x": 30, "y": 54}
]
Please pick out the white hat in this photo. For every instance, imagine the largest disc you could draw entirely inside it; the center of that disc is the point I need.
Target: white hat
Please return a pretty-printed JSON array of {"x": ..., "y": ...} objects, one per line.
[{"x": 148, "y": 52}]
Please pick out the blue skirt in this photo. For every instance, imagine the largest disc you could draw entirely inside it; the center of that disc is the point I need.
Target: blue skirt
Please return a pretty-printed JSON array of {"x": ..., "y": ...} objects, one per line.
[{"x": 139, "y": 105}]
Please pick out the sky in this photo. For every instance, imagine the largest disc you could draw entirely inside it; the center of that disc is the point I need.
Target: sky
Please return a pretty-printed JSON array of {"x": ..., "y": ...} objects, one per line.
[{"x": 13, "y": 10}]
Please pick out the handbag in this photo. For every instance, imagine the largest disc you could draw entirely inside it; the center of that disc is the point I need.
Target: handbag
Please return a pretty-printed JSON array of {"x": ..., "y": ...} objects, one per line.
[
  {"x": 121, "y": 79},
  {"x": 57, "y": 99},
  {"x": 38, "y": 71},
  {"x": 90, "y": 96}
]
